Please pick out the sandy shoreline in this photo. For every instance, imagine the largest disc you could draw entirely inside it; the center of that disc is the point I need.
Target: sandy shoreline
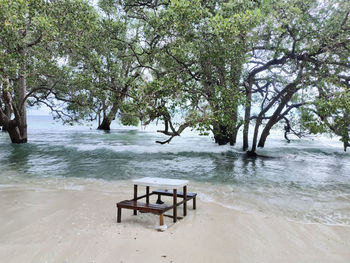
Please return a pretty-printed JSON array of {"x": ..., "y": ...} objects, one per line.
[{"x": 78, "y": 224}]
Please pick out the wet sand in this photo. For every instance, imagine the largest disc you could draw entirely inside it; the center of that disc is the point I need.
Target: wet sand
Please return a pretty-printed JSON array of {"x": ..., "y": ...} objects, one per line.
[{"x": 75, "y": 222}]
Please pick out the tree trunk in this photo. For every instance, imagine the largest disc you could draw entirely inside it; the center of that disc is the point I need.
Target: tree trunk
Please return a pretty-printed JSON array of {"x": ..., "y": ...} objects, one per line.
[
  {"x": 17, "y": 132},
  {"x": 16, "y": 128},
  {"x": 22, "y": 105},
  {"x": 108, "y": 118},
  {"x": 5, "y": 110},
  {"x": 224, "y": 135},
  {"x": 289, "y": 91},
  {"x": 105, "y": 124},
  {"x": 16, "y": 135},
  {"x": 2, "y": 127},
  {"x": 275, "y": 117},
  {"x": 247, "y": 118},
  {"x": 256, "y": 132},
  {"x": 346, "y": 138}
]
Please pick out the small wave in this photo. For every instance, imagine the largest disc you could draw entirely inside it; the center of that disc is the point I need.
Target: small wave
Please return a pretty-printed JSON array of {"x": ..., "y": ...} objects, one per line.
[
  {"x": 306, "y": 179},
  {"x": 74, "y": 187}
]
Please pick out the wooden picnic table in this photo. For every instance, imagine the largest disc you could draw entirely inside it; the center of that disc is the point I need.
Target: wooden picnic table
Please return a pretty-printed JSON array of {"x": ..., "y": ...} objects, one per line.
[{"x": 166, "y": 187}]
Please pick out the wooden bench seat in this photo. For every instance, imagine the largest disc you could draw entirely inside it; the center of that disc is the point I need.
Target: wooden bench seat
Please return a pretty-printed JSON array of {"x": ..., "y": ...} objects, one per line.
[
  {"x": 144, "y": 207},
  {"x": 179, "y": 194},
  {"x": 158, "y": 209}
]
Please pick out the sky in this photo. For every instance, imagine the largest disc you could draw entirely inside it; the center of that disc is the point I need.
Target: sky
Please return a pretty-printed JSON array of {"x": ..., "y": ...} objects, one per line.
[{"x": 42, "y": 110}]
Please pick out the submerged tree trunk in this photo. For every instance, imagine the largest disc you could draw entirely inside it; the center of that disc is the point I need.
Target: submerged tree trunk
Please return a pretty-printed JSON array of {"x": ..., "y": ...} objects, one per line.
[
  {"x": 224, "y": 135},
  {"x": 17, "y": 132},
  {"x": 105, "y": 125},
  {"x": 256, "y": 132},
  {"x": 109, "y": 117},
  {"x": 6, "y": 111},
  {"x": 247, "y": 118},
  {"x": 17, "y": 127},
  {"x": 2, "y": 127},
  {"x": 346, "y": 137},
  {"x": 22, "y": 106},
  {"x": 277, "y": 114}
]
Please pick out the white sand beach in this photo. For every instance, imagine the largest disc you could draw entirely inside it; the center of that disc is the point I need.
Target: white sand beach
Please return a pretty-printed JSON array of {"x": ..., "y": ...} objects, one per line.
[{"x": 63, "y": 222}]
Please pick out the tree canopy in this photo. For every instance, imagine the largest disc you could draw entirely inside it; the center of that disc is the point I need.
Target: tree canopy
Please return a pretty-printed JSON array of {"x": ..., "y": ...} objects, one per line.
[{"x": 216, "y": 66}]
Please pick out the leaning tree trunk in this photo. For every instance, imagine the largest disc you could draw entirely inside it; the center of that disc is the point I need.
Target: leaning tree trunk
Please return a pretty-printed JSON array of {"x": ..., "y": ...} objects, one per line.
[
  {"x": 108, "y": 118},
  {"x": 275, "y": 117}
]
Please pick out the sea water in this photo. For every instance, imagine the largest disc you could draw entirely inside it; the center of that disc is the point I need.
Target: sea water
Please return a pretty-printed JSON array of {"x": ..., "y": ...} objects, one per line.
[{"x": 306, "y": 180}]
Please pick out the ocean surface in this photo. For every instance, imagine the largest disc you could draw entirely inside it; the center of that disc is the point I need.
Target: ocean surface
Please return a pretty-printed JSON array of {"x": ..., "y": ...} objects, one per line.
[{"x": 307, "y": 180}]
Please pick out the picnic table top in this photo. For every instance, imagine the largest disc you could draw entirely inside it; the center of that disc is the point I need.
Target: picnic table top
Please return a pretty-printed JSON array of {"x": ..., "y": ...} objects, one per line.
[{"x": 165, "y": 183}]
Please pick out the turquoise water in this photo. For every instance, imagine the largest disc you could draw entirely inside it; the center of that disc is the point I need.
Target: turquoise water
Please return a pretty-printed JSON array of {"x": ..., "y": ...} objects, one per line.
[{"x": 307, "y": 180}]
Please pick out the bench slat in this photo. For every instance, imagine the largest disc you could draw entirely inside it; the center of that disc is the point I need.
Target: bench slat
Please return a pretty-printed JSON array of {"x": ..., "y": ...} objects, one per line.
[
  {"x": 170, "y": 193},
  {"x": 150, "y": 208}
]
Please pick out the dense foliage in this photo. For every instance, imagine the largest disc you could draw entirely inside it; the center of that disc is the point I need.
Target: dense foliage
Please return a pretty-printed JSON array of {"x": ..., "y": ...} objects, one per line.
[{"x": 216, "y": 66}]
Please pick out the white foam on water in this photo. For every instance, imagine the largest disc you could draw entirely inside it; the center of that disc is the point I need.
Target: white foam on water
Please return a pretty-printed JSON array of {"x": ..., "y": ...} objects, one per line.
[
  {"x": 308, "y": 180},
  {"x": 74, "y": 187}
]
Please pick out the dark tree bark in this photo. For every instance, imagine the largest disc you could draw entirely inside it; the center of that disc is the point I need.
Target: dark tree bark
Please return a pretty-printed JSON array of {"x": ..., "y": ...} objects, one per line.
[
  {"x": 2, "y": 127},
  {"x": 247, "y": 118},
  {"x": 346, "y": 136},
  {"x": 17, "y": 132},
  {"x": 109, "y": 117},
  {"x": 284, "y": 95},
  {"x": 17, "y": 127},
  {"x": 256, "y": 132},
  {"x": 105, "y": 125},
  {"x": 277, "y": 114},
  {"x": 6, "y": 110},
  {"x": 247, "y": 115},
  {"x": 22, "y": 110},
  {"x": 224, "y": 135}
]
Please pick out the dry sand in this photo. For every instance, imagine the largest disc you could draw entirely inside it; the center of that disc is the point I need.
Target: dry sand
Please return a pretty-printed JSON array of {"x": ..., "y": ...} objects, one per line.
[{"x": 63, "y": 223}]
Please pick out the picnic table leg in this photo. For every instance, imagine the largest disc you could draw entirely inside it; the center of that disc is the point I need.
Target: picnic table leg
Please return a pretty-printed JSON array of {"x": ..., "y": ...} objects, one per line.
[
  {"x": 185, "y": 200},
  {"x": 147, "y": 194},
  {"x": 161, "y": 219},
  {"x": 174, "y": 205},
  {"x": 119, "y": 215},
  {"x": 159, "y": 200},
  {"x": 135, "y": 197}
]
